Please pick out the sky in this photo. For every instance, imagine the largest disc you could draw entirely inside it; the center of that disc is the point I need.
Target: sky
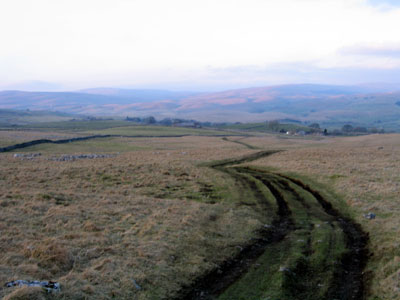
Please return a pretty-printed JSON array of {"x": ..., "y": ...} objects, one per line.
[{"x": 197, "y": 44}]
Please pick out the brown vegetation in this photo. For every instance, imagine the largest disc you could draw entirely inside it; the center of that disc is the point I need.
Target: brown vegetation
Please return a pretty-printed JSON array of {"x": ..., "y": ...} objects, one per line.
[
  {"x": 101, "y": 226},
  {"x": 152, "y": 217}
]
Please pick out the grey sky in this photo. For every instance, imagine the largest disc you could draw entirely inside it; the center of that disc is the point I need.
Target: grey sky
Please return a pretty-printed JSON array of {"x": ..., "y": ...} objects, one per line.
[{"x": 189, "y": 43}]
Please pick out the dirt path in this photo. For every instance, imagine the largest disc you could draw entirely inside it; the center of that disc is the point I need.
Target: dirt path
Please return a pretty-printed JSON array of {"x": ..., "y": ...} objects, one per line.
[
  {"x": 240, "y": 142},
  {"x": 310, "y": 251}
]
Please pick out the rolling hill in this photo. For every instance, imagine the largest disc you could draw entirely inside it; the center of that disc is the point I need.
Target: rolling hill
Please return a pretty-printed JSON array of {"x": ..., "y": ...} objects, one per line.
[
  {"x": 328, "y": 104},
  {"x": 10, "y": 117}
]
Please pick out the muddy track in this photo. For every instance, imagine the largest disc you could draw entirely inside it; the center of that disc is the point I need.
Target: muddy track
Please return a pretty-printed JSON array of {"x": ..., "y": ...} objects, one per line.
[
  {"x": 354, "y": 261},
  {"x": 328, "y": 264},
  {"x": 240, "y": 142}
]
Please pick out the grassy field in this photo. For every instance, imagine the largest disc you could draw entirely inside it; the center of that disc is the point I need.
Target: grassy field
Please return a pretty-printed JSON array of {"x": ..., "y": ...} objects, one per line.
[
  {"x": 263, "y": 127},
  {"x": 156, "y": 217},
  {"x": 78, "y": 125},
  {"x": 120, "y": 127},
  {"x": 65, "y": 130},
  {"x": 103, "y": 145},
  {"x": 159, "y": 131},
  {"x": 11, "y": 137},
  {"x": 95, "y": 225}
]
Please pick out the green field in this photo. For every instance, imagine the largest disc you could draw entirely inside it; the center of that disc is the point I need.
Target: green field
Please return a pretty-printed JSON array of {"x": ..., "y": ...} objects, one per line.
[
  {"x": 101, "y": 145},
  {"x": 119, "y": 127},
  {"x": 9, "y": 118},
  {"x": 158, "y": 131},
  {"x": 77, "y": 126},
  {"x": 264, "y": 127}
]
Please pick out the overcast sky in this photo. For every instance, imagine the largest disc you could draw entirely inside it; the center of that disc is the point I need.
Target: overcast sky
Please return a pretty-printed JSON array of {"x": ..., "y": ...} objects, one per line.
[{"x": 195, "y": 44}]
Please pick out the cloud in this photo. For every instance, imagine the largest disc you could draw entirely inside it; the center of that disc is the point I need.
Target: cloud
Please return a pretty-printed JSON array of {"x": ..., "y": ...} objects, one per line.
[
  {"x": 389, "y": 51},
  {"x": 102, "y": 42},
  {"x": 34, "y": 85},
  {"x": 285, "y": 73},
  {"x": 387, "y": 3}
]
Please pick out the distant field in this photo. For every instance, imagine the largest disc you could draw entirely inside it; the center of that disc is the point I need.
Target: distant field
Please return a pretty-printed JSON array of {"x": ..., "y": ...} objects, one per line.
[
  {"x": 77, "y": 125},
  {"x": 11, "y": 137},
  {"x": 103, "y": 145},
  {"x": 65, "y": 130},
  {"x": 121, "y": 128},
  {"x": 159, "y": 131},
  {"x": 263, "y": 127}
]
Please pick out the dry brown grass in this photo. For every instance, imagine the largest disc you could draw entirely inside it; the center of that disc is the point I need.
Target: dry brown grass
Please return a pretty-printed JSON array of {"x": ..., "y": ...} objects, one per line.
[
  {"x": 145, "y": 215},
  {"x": 26, "y": 293},
  {"x": 97, "y": 225}
]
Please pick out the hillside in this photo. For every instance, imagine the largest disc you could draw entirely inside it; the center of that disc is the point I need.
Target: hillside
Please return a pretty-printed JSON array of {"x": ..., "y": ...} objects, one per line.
[
  {"x": 18, "y": 117},
  {"x": 92, "y": 101},
  {"x": 328, "y": 105},
  {"x": 331, "y": 106},
  {"x": 140, "y": 95}
]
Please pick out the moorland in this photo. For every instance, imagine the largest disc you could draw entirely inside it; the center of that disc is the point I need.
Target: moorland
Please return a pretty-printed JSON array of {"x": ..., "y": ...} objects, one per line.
[{"x": 169, "y": 210}]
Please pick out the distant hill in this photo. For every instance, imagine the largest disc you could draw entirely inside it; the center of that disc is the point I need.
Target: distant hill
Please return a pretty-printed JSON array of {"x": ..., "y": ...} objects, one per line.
[
  {"x": 142, "y": 95},
  {"x": 258, "y": 99},
  {"x": 97, "y": 101},
  {"x": 330, "y": 105},
  {"x": 23, "y": 117}
]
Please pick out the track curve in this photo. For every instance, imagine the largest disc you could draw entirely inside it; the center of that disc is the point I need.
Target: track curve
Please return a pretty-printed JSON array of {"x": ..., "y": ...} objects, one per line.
[{"x": 322, "y": 252}]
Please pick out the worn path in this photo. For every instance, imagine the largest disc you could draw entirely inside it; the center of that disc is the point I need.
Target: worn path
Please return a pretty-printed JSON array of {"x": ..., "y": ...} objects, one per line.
[{"x": 310, "y": 251}]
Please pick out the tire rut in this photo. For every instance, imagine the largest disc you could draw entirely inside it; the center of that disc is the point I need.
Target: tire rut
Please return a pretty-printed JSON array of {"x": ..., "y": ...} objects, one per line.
[
  {"x": 348, "y": 284},
  {"x": 240, "y": 142},
  {"x": 216, "y": 281},
  {"x": 293, "y": 215}
]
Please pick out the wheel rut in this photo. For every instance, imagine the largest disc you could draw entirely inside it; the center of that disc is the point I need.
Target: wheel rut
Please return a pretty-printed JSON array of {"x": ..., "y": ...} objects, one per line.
[
  {"x": 310, "y": 251},
  {"x": 348, "y": 283}
]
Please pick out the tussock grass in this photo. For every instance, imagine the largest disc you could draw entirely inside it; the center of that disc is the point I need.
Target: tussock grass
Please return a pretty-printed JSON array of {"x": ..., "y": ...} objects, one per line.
[
  {"x": 152, "y": 216},
  {"x": 26, "y": 293}
]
